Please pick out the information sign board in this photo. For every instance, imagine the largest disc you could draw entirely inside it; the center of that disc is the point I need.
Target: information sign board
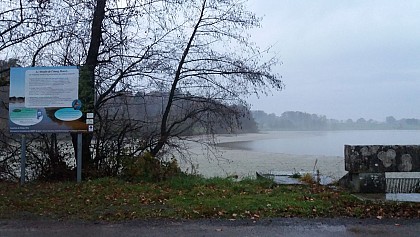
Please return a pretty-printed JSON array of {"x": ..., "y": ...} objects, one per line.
[{"x": 45, "y": 99}]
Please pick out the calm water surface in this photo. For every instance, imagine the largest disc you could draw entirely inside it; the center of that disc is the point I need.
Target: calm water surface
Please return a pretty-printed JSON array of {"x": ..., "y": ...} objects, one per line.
[{"x": 328, "y": 143}]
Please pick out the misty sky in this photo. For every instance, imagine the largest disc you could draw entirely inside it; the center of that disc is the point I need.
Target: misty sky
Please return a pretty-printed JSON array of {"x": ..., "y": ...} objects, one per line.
[{"x": 343, "y": 59}]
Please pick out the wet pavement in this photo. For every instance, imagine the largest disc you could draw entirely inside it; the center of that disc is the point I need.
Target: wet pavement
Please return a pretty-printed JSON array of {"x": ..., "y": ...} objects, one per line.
[{"x": 274, "y": 227}]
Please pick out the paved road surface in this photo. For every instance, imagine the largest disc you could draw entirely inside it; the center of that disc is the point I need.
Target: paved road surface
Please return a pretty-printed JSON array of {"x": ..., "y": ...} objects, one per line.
[{"x": 163, "y": 228}]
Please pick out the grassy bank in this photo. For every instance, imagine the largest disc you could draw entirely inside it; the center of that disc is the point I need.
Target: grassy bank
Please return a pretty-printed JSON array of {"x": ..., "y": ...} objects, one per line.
[{"x": 187, "y": 197}]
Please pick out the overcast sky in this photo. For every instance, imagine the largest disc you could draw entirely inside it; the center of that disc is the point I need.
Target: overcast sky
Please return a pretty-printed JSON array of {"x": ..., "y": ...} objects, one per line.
[{"x": 343, "y": 59}]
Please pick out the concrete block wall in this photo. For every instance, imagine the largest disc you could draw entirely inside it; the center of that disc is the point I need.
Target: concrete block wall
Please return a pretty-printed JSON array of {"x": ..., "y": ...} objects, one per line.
[
  {"x": 367, "y": 165},
  {"x": 382, "y": 158}
]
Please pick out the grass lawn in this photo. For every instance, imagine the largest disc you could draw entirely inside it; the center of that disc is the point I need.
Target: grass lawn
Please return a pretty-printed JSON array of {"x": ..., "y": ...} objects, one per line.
[{"x": 188, "y": 197}]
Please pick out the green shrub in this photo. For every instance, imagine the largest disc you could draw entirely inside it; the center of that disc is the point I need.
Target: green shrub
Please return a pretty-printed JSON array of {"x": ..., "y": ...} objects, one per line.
[{"x": 148, "y": 168}]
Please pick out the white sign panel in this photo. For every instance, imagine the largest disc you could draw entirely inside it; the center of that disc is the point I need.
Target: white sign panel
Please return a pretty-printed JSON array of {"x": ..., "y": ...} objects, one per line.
[{"x": 51, "y": 87}]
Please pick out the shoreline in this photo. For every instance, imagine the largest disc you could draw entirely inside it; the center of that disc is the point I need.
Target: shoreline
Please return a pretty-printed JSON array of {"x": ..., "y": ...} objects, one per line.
[{"x": 229, "y": 158}]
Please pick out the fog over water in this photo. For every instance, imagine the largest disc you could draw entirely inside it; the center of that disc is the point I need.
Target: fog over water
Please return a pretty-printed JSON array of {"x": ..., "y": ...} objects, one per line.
[{"x": 326, "y": 143}]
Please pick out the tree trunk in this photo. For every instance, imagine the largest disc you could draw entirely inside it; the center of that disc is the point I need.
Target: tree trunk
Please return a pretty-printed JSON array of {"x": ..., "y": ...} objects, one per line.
[{"x": 87, "y": 80}]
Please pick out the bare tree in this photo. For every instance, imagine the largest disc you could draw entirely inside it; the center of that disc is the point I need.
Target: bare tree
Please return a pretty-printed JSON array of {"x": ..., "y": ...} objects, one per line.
[
  {"x": 194, "y": 55},
  {"x": 102, "y": 36},
  {"x": 202, "y": 64}
]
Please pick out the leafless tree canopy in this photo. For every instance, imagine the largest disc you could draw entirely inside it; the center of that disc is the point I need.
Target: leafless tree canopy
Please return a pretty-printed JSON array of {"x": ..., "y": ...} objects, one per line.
[{"x": 154, "y": 70}]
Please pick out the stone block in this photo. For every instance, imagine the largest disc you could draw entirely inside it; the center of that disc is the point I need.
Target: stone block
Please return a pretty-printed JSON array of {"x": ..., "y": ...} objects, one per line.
[
  {"x": 382, "y": 158},
  {"x": 364, "y": 182},
  {"x": 372, "y": 182}
]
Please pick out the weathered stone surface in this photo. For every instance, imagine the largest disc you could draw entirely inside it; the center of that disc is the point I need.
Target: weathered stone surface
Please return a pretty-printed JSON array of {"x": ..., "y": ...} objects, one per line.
[
  {"x": 382, "y": 158},
  {"x": 364, "y": 182},
  {"x": 372, "y": 182}
]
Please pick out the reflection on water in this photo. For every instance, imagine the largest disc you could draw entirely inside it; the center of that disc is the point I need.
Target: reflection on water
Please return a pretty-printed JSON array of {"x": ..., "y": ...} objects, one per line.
[{"x": 285, "y": 177}]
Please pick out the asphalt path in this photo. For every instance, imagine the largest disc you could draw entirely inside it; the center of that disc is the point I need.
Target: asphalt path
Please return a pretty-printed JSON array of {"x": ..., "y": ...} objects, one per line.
[{"x": 269, "y": 227}]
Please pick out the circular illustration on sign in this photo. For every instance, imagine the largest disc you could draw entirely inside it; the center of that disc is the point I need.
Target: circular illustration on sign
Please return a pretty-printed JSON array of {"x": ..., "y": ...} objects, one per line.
[
  {"x": 68, "y": 114},
  {"x": 26, "y": 116}
]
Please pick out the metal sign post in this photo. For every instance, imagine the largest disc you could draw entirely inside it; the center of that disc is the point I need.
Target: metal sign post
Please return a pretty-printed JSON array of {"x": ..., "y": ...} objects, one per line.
[
  {"x": 22, "y": 160},
  {"x": 79, "y": 157}
]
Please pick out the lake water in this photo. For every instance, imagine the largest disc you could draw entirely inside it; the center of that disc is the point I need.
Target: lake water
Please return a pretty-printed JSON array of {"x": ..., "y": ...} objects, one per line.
[
  {"x": 327, "y": 143},
  {"x": 324, "y": 144}
]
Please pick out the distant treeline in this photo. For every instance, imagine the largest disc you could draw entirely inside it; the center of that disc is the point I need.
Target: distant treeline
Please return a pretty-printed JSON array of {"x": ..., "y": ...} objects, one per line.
[
  {"x": 295, "y": 120},
  {"x": 145, "y": 110}
]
